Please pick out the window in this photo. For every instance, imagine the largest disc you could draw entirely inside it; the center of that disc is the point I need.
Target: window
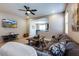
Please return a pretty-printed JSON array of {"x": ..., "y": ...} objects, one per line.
[
  {"x": 42, "y": 27},
  {"x": 66, "y": 23}
]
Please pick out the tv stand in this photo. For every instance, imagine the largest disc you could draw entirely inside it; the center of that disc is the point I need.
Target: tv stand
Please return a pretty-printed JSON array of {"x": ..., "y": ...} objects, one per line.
[{"x": 9, "y": 37}]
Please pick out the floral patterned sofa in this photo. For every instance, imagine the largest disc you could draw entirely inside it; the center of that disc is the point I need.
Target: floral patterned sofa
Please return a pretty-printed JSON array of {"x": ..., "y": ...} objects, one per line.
[{"x": 71, "y": 47}]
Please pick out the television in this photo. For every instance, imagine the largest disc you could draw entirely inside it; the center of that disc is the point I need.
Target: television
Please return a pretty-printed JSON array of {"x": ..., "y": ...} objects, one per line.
[{"x": 6, "y": 23}]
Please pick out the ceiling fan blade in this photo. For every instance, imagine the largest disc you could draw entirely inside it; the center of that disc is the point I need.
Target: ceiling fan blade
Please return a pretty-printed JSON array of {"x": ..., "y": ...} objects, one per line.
[
  {"x": 32, "y": 13},
  {"x": 33, "y": 10},
  {"x": 26, "y": 7},
  {"x": 21, "y": 10}
]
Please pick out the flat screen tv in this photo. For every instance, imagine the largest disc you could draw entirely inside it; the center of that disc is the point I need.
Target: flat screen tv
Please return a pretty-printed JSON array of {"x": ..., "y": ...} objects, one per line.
[{"x": 9, "y": 23}]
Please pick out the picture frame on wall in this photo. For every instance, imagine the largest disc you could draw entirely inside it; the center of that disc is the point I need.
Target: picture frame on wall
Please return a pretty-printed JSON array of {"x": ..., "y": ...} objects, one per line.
[
  {"x": 75, "y": 25},
  {"x": 9, "y": 23}
]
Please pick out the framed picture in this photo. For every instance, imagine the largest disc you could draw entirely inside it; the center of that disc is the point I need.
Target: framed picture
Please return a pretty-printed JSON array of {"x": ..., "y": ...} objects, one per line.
[
  {"x": 75, "y": 23},
  {"x": 6, "y": 23}
]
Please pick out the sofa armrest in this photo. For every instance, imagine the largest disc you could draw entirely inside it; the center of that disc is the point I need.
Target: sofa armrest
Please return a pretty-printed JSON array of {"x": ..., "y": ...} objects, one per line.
[{"x": 73, "y": 52}]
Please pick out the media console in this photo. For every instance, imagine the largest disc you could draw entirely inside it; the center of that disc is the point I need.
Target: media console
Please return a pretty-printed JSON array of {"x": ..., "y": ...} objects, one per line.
[{"x": 10, "y": 37}]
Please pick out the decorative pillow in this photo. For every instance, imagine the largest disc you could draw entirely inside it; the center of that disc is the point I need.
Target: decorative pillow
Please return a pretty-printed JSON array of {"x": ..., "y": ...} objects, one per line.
[
  {"x": 70, "y": 45},
  {"x": 57, "y": 49}
]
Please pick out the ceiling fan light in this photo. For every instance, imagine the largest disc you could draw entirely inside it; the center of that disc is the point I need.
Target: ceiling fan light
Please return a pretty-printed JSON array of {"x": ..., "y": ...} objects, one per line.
[{"x": 28, "y": 12}]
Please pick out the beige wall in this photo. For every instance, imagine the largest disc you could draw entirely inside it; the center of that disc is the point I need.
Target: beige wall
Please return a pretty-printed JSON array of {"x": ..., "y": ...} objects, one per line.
[
  {"x": 74, "y": 35},
  {"x": 56, "y": 25},
  {"x": 21, "y": 25}
]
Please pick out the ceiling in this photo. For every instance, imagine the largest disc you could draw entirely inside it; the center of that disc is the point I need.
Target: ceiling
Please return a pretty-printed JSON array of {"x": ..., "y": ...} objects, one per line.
[{"x": 43, "y": 8}]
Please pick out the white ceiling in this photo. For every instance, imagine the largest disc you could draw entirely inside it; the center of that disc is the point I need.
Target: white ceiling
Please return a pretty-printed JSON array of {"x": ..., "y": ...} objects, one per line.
[{"x": 43, "y": 8}]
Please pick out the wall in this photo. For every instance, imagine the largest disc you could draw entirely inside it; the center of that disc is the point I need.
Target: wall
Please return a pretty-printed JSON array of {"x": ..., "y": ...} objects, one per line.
[
  {"x": 74, "y": 35},
  {"x": 21, "y": 25},
  {"x": 56, "y": 25}
]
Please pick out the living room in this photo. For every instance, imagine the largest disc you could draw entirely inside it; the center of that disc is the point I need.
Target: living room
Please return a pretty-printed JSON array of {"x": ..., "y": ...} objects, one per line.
[{"x": 30, "y": 24}]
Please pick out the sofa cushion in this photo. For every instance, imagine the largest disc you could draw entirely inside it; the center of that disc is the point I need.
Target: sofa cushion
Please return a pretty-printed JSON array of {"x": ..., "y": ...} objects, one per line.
[
  {"x": 70, "y": 45},
  {"x": 73, "y": 52},
  {"x": 57, "y": 49}
]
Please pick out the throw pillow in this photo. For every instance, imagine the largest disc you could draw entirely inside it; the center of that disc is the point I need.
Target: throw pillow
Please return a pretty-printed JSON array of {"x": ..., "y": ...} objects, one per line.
[{"x": 57, "y": 49}]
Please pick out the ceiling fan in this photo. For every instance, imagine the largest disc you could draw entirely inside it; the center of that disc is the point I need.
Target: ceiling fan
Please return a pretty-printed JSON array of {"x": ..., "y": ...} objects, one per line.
[{"x": 28, "y": 10}]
